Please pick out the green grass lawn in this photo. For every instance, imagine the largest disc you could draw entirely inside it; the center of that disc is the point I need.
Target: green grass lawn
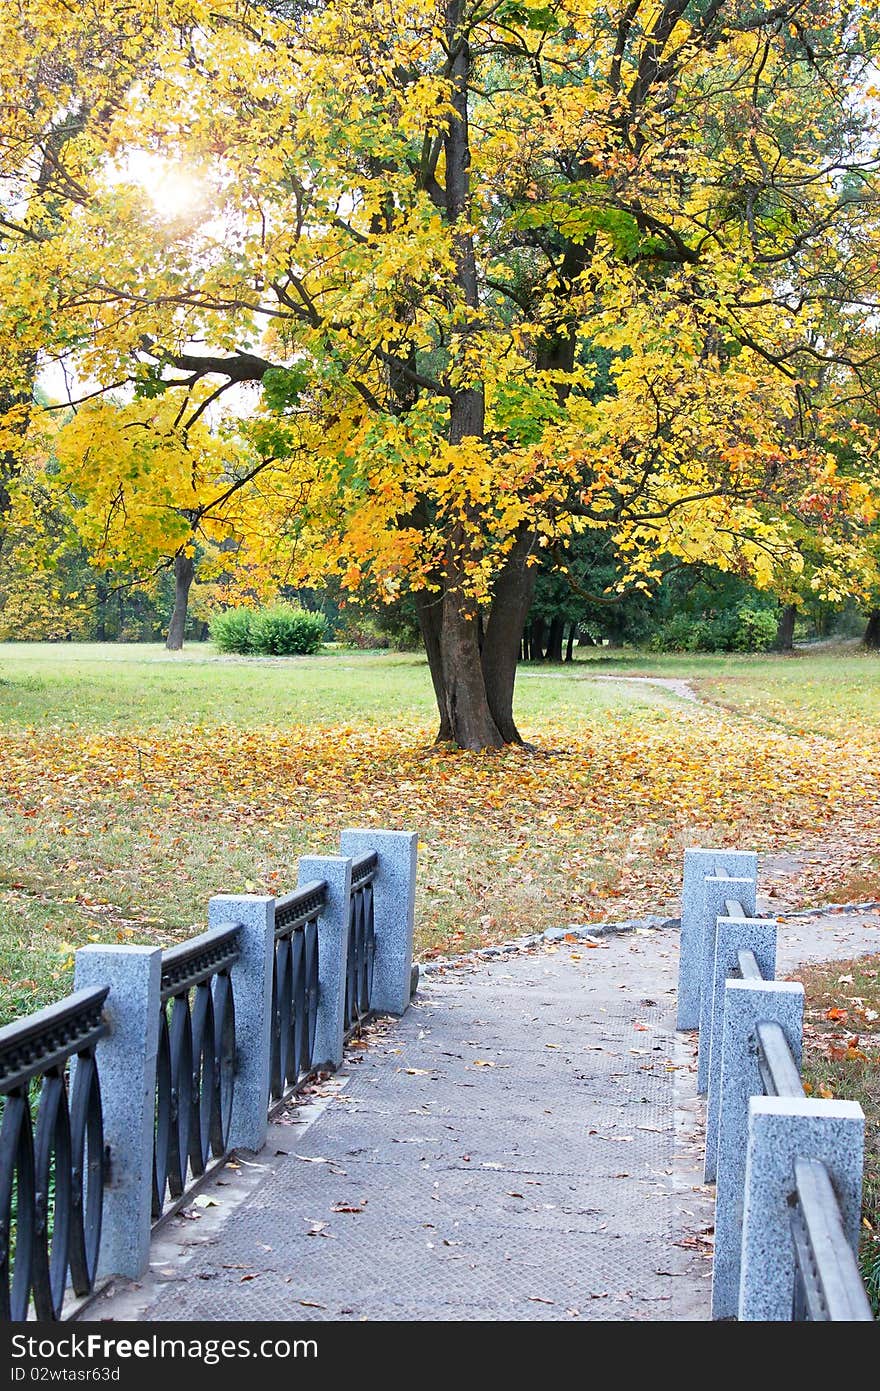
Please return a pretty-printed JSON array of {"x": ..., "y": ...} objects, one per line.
[
  {"x": 814, "y": 689},
  {"x": 132, "y": 685},
  {"x": 134, "y": 783}
]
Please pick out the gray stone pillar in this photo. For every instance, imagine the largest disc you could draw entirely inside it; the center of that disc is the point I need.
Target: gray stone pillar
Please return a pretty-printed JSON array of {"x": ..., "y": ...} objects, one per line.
[
  {"x": 747, "y": 1004},
  {"x": 333, "y": 925},
  {"x": 394, "y": 892},
  {"x": 732, "y": 936},
  {"x": 252, "y": 990},
  {"x": 127, "y": 1069},
  {"x": 697, "y": 864},
  {"x": 782, "y": 1129},
  {"x": 716, "y": 892}
]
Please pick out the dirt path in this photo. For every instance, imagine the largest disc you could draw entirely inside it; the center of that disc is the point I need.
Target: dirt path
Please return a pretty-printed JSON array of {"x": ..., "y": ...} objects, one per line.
[{"x": 675, "y": 685}]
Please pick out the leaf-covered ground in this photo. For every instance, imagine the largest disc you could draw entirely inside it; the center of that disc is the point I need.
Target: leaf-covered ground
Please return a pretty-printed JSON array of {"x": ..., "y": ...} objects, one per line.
[
  {"x": 115, "y": 826},
  {"x": 842, "y": 1059}
]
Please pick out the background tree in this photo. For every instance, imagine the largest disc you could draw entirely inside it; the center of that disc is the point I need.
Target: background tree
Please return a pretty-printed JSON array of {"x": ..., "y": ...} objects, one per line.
[{"x": 145, "y": 493}]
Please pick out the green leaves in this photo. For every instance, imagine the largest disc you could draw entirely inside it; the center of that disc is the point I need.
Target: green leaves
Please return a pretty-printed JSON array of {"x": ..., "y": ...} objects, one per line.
[
  {"x": 539, "y": 17},
  {"x": 283, "y": 387}
]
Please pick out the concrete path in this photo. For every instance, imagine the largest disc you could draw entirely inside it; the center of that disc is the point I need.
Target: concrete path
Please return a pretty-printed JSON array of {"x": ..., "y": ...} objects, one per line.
[
  {"x": 506, "y": 1151},
  {"x": 525, "y": 1144}
]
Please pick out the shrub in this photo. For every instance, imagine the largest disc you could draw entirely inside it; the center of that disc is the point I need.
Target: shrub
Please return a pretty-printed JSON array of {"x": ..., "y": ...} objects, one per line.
[
  {"x": 681, "y": 633},
  {"x": 755, "y": 630},
  {"x": 231, "y": 630},
  {"x": 281, "y": 631},
  {"x": 743, "y": 629},
  {"x": 361, "y": 631},
  {"x": 286, "y": 631}
]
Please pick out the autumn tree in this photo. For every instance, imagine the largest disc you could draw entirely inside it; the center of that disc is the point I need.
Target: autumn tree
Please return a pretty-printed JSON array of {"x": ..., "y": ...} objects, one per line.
[
  {"x": 504, "y": 271},
  {"x": 63, "y": 76},
  {"x": 145, "y": 494}
]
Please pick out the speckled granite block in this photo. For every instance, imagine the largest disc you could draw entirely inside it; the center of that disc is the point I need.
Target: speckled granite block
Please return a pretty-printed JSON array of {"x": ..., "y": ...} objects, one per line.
[
  {"x": 127, "y": 1069},
  {"x": 252, "y": 989},
  {"x": 394, "y": 892},
  {"x": 733, "y": 935},
  {"x": 697, "y": 864},
  {"x": 716, "y": 892},
  {"x": 333, "y": 926},
  {"x": 782, "y": 1129},
  {"x": 746, "y": 1004}
]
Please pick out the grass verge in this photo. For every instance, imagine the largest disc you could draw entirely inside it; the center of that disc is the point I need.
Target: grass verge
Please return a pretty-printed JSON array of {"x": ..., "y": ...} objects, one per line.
[{"x": 842, "y": 1059}]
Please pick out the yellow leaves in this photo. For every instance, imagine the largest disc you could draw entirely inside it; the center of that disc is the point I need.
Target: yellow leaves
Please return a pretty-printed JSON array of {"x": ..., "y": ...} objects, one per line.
[
  {"x": 318, "y": 238},
  {"x": 352, "y": 577}
]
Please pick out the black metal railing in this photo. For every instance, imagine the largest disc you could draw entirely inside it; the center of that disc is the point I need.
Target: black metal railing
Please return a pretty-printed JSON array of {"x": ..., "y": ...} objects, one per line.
[
  {"x": 361, "y": 943},
  {"x": 52, "y": 1161},
  {"x": 827, "y": 1284},
  {"x": 195, "y": 1065},
  {"x": 295, "y": 986}
]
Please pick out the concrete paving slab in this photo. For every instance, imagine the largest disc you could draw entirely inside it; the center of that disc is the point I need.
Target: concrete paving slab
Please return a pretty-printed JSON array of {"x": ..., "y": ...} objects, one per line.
[{"x": 525, "y": 1143}]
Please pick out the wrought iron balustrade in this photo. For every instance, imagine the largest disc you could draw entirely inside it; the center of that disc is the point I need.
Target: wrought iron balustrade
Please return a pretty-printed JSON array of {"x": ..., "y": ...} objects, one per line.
[
  {"x": 52, "y": 1161},
  {"x": 295, "y": 986},
  {"x": 195, "y": 1064},
  {"x": 361, "y": 943}
]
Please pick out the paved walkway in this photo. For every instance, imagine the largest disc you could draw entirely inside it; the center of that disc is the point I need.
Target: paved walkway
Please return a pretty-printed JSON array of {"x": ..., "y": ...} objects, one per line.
[{"x": 524, "y": 1144}]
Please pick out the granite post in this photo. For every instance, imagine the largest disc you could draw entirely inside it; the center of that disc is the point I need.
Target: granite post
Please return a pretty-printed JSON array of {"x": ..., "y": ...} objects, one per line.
[
  {"x": 781, "y": 1130},
  {"x": 126, "y": 1060},
  {"x": 251, "y": 977},
  {"x": 394, "y": 890},
  {"x": 732, "y": 936},
  {"x": 697, "y": 865},
  {"x": 716, "y": 892},
  {"x": 747, "y": 1003},
  {"x": 333, "y": 929}
]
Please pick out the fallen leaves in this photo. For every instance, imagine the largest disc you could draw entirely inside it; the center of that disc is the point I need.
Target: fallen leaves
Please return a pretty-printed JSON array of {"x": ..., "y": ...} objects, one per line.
[
  {"x": 112, "y": 822},
  {"x": 624, "y": 772}
]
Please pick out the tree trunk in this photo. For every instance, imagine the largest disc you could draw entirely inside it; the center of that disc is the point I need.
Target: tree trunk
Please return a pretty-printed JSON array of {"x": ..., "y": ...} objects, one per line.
[
  {"x": 785, "y": 630},
  {"x": 554, "y": 640},
  {"x": 537, "y": 635},
  {"x": 184, "y": 568},
  {"x": 569, "y": 646},
  {"x": 465, "y": 701},
  {"x": 872, "y": 631},
  {"x": 429, "y": 614},
  {"x": 451, "y": 631},
  {"x": 101, "y": 624},
  {"x": 473, "y": 669},
  {"x": 514, "y": 590}
]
